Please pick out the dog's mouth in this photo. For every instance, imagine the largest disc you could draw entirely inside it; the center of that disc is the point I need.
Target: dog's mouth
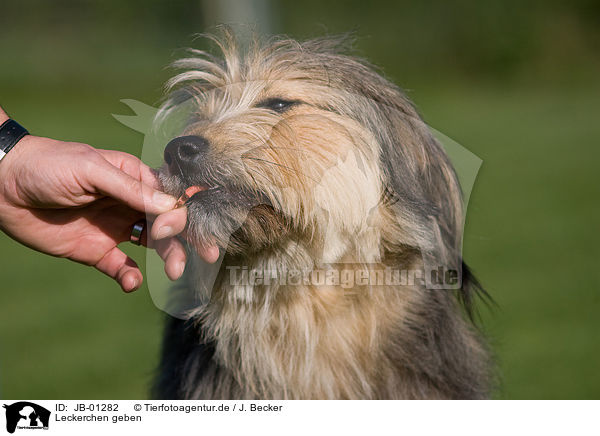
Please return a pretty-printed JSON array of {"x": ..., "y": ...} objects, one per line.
[
  {"x": 215, "y": 195},
  {"x": 235, "y": 218},
  {"x": 191, "y": 191}
]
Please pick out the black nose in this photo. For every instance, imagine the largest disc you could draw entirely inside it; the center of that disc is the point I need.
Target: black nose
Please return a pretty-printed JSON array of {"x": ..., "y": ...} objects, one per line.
[{"x": 184, "y": 152}]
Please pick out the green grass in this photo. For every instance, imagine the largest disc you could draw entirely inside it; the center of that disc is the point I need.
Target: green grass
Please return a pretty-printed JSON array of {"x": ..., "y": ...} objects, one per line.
[
  {"x": 530, "y": 229},
  {"x": 68, "y": 332}
]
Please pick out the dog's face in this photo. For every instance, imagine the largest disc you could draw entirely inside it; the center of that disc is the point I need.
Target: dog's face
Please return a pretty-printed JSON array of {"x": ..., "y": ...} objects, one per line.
[{"x": 296, "y": 142}]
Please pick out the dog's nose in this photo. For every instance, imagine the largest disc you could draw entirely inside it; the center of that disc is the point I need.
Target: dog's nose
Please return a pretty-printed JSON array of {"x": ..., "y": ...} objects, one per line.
[{"x": 185, "y": 151}]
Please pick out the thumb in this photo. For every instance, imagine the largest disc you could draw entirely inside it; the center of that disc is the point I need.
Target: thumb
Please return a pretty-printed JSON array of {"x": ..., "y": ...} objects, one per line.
[{"x": 112, "y": 182}]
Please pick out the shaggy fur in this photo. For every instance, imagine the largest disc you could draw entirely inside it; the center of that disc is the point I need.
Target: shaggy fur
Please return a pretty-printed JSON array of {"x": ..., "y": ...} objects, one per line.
[{"x": 312, "y": 159}]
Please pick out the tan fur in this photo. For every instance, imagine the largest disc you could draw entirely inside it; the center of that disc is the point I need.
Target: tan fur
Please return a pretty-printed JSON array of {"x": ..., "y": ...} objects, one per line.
[{"x": 354, "y": 180}]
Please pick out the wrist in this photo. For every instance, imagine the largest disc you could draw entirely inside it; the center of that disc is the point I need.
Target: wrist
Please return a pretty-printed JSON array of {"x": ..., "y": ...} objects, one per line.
[
  {"x": 11, "y": 133},
  {"x": 13, "y": 168}
]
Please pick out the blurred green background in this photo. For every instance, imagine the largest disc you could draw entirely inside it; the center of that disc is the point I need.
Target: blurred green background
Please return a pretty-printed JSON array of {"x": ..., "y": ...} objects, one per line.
[{"x": 515, "y": 82}]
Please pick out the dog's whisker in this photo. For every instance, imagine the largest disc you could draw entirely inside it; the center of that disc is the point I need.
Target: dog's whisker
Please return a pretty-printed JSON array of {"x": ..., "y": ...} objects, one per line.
[
  {"x": 277, "y": 147},
  {"x": 294, "y": 170}
]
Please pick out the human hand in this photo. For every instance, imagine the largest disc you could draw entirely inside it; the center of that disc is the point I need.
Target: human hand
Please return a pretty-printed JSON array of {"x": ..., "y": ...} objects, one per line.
[{"x": 70, "y": 200}]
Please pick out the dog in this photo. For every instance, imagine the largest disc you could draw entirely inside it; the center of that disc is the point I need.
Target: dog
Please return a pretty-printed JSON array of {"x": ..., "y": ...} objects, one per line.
[{"x": 306, "y": 159}]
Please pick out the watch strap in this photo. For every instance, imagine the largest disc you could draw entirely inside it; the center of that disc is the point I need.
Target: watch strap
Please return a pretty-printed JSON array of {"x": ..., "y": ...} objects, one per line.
[{"x": 11, "y": 132}]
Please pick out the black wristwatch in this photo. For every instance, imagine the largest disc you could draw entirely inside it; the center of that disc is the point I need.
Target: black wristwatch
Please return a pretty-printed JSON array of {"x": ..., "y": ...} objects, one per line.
[{"x": 11, "y": 132}]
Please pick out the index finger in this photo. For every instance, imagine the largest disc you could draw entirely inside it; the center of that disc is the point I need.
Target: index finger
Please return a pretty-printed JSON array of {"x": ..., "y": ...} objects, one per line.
[
  {"x": 111, "y": 181},
  {"x": 132, "y": 166}
]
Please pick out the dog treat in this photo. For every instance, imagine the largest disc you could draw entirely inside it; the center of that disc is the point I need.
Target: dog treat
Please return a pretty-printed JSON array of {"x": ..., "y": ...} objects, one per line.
[{"x": 189, "y": 192}]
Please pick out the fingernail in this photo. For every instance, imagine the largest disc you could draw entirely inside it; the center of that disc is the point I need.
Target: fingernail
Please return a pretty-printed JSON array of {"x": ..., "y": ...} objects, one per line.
[
  {"x": 163, "y": 201},
  {"x": 134, "y": 285},
  {"x": 164, "y": 231}
]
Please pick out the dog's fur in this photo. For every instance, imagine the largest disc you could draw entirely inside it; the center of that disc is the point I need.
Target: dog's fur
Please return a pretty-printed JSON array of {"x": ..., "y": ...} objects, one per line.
[{"x": 343, "y": 172}]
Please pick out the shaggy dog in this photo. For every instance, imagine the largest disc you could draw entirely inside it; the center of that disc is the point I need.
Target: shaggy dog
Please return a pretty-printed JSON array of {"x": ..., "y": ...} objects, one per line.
[{"x": 307, "y": 161}]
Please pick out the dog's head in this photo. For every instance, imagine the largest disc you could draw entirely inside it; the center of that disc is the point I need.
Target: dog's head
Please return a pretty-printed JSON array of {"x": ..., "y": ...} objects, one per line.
[{"x": 298, "y": 141}]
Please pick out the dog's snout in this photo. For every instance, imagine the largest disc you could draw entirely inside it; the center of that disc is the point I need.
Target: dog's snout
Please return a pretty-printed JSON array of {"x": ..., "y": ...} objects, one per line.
[{"x": 184, "y": 151}]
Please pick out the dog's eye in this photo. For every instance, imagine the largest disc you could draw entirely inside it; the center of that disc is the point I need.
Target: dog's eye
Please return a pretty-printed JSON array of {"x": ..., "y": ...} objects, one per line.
[{"x": 277, "y": 104}]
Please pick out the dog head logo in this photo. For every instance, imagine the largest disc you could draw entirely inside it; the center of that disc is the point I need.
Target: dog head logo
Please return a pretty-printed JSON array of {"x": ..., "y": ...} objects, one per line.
[{"x": 26, "y": 415}]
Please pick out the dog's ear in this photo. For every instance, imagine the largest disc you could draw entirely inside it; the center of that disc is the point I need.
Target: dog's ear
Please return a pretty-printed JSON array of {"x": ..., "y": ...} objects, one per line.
[
  {"x": 420, "y": 177},
  {"x": 470, "y": 290},
  {"x": 427, "y": 198}
]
